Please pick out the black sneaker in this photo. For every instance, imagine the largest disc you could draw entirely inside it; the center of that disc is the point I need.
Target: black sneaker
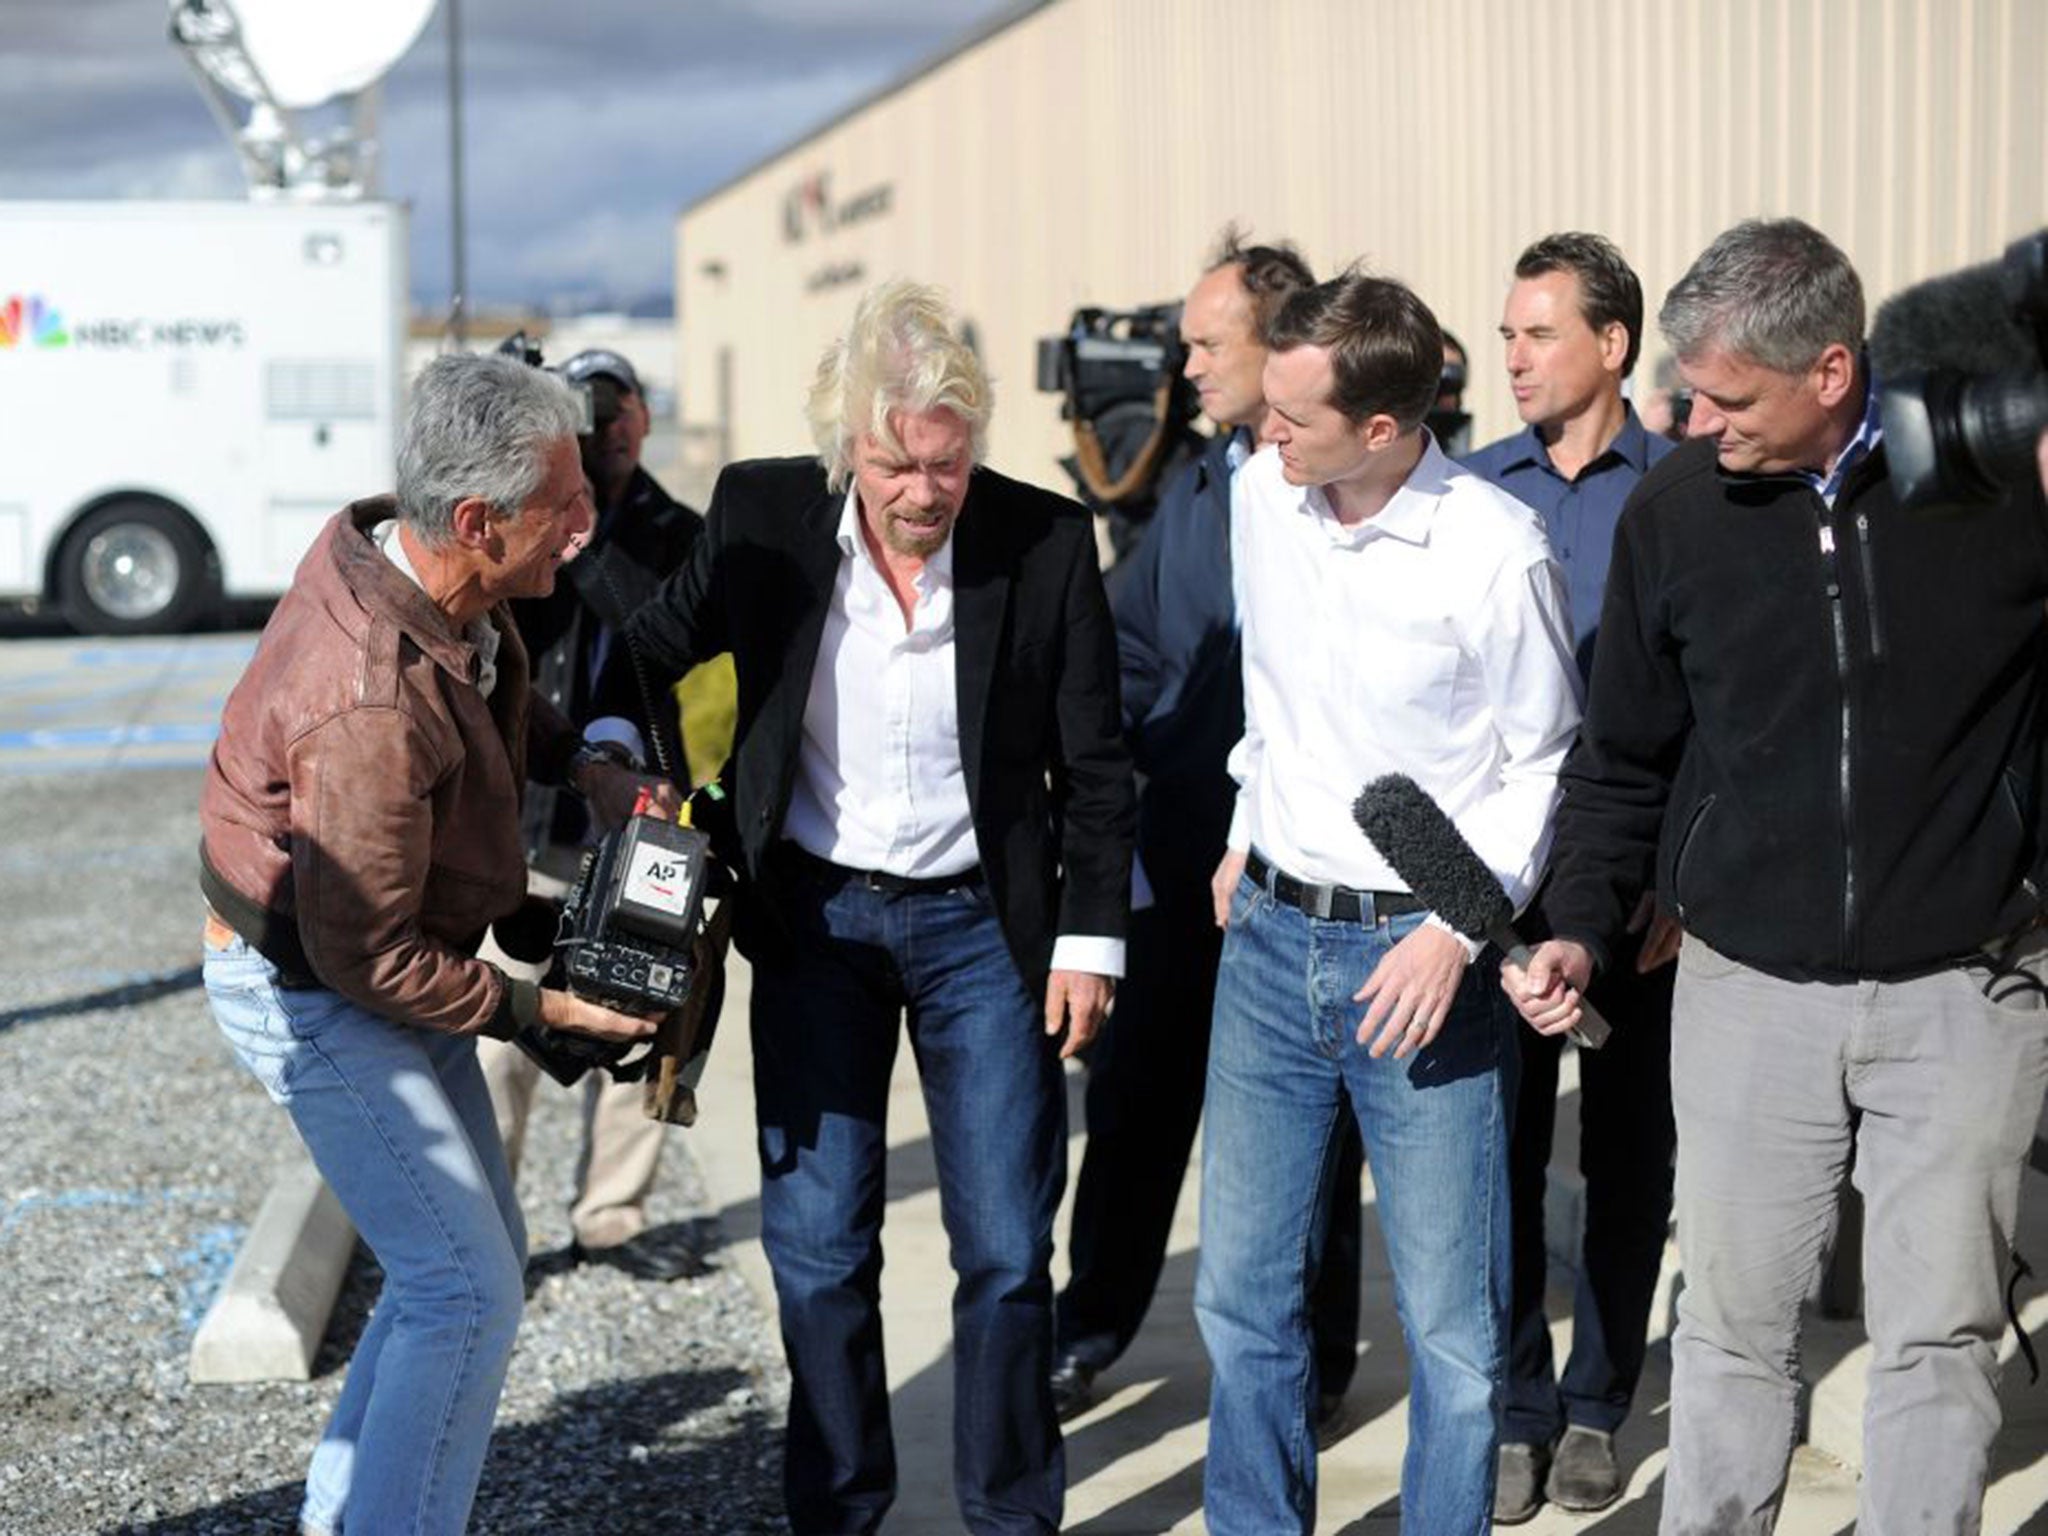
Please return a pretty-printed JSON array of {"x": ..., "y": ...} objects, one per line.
[
  {"x": 1073, "y": 1385},
  {"x": 1584, "y": 1475},
  {"x": 1518, "y": 1482},
  {"x": 643, "y": 1259}
]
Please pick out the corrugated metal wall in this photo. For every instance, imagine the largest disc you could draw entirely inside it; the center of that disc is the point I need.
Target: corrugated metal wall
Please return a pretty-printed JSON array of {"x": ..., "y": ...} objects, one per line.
[{"x": 1089, "y": 152}]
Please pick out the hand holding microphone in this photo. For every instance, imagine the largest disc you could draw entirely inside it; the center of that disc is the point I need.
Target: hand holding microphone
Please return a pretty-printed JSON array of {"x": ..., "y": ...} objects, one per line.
[{"x": 1432, "y": 857}]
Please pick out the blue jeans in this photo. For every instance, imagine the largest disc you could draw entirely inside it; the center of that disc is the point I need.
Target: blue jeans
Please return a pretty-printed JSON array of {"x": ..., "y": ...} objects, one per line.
[
  {"x": 399, "y": 1124},
  {"x": 1284, "y": 1068},
  {"x": 825, "y": 1031}
]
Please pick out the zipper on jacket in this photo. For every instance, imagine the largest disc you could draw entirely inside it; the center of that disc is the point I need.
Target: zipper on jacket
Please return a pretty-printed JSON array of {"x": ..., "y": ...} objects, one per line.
[
  {"x": 1868, "y": 567},
  {"x": 1692, "y": 826},
  {"x": 1831, "y": 571}
]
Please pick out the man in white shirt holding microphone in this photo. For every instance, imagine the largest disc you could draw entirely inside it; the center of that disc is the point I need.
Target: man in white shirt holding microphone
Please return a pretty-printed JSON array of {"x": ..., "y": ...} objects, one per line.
[{"x": 1400, "y": 616}]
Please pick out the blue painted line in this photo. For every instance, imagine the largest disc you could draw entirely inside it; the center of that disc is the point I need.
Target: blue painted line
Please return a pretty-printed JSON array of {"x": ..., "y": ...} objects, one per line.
[
  {"x": 74, "y": 699},
  {"x": 206, "y": 1264},
  {"x": 35, "y": 768},
  {"x": 59, "y": 738},
  {"x": 186, "y": 653},
  {"x": 105, "y": 1199}
]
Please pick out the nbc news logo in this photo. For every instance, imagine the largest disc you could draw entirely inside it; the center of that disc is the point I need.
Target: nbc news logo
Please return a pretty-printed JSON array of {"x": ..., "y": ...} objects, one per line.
[{"x": 31, "y": 323}]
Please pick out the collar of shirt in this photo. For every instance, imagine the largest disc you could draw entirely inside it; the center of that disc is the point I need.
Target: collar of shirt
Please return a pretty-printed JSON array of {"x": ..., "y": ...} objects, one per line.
[
  {"x": 1406, "y": 516},
  {"x": 936, "y": 572},
  {"x": 481, "y": 633},
  {"x": 1239, "y": 448},
  {"x": 1631, "y": 445},
  {"x": 1869, "y": 433}
]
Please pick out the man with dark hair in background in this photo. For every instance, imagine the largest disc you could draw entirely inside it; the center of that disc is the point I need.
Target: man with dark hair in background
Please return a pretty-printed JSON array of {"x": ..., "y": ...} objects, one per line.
[
  {"x": 1815, "y": 724},
  {"x": 1573, "y": 326},
  {"x": 641, "y": 535},
  {"x": 1448, "y": 420},
  {"x": 1183, "y": 710},
  {"x": 1400, "y": 616}
]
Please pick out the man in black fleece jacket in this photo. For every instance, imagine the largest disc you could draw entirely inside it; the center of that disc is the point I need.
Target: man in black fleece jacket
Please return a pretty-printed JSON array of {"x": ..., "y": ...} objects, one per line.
[{"x": 1815, "y": 723}]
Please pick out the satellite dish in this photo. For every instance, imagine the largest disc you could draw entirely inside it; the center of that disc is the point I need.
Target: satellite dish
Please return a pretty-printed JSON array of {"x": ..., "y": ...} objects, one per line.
[
  {"x": 285, "y": 57},
  {"x": 312, "y": 53},
  {"x": 309, "y": 54}
]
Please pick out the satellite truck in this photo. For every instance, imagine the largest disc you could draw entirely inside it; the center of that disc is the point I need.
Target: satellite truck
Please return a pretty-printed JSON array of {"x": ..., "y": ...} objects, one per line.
[{"x": 188, "y": 390}]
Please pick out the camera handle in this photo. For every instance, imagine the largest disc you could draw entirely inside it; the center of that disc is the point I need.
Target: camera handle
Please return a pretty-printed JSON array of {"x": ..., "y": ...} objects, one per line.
[{"x": 1094, "y": 464}]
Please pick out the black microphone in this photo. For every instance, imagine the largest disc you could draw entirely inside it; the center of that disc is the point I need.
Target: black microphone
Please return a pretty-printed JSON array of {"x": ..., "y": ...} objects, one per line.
[
  {"x": 1962, "y": 322},
  {"x": 1431, "y": 856},
  {"x": 1959, "y": 359}
]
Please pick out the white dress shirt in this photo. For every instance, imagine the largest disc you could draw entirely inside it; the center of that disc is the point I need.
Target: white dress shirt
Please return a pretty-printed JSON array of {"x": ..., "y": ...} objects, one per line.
[
  {"x": 879, "y": 782},
  {"x": 1432, "y": 639}
]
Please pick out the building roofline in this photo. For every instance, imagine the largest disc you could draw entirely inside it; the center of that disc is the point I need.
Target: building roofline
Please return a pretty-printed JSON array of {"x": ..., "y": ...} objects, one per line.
[{"x": 1002, "y": 21}]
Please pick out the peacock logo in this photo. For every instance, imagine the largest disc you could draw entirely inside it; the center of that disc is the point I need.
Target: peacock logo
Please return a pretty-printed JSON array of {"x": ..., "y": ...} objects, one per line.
[{"x": 29, "y": 322}]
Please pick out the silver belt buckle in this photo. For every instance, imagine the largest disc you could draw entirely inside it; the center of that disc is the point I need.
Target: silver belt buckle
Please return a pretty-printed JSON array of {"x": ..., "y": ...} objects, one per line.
[{"x": 1323, "y": 900}]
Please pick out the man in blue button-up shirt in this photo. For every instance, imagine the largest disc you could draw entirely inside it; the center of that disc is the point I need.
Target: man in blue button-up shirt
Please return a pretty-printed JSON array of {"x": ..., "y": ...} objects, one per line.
[{"x": 1573, "y": 326}]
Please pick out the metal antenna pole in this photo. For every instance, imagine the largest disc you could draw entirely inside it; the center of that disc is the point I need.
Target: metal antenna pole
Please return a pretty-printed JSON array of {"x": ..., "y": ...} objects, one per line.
[{"x": 458, "y": 320}]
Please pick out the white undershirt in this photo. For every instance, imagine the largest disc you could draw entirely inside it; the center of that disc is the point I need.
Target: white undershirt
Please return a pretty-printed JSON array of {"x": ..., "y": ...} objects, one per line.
[
  {"x": 879, "y": 782},
  {"x": 481, "y": 633}
]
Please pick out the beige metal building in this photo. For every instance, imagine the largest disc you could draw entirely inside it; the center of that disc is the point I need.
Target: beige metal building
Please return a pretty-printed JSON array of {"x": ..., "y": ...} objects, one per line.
[{"x": 1087, "y": 151}]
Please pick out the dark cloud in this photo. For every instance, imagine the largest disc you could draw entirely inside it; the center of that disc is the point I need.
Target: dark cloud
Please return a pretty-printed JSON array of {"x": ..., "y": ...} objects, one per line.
[{"x": 587, "y": 124}]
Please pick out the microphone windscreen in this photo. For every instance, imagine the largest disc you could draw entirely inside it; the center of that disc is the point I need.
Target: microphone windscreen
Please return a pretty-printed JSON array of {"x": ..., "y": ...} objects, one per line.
[
  {"x": 1959, "y": 323},
  {"x": 1431, "y": 855}
]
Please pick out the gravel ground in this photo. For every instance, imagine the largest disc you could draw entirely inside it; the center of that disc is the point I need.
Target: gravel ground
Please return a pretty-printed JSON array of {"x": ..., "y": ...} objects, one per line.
[{"x": 135, "y": 1153}]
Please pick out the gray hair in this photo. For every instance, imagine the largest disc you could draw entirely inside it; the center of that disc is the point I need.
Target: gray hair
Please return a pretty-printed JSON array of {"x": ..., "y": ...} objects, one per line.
[
  {"x": 1775, "y": 291},
  {"x": 478, "y": 425},
  {"x": 901, "y": 352}
]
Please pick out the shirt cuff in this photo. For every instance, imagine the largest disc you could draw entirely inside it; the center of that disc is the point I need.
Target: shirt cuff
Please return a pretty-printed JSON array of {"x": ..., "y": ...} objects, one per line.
[
  {"x": 1472, "y": 946},
  {"x": 1087, "y": 952},
  {"x": 1239, "y": 838},
  {"x": 621, "y": 730}
]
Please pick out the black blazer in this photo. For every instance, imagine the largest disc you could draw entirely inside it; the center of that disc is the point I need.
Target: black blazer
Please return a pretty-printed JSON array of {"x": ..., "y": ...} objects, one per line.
[{"x": 1048, "y": 778}]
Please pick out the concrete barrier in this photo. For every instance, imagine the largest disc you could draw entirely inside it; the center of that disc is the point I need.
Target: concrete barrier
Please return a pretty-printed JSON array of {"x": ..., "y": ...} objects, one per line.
[{"x": 268, "y": 1320}]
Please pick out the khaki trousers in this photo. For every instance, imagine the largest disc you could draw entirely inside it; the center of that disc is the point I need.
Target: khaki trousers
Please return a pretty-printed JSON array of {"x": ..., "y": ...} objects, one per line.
[
  {"x": 1937, "y": 1083},
  {"x": 621, "y": 1146}
]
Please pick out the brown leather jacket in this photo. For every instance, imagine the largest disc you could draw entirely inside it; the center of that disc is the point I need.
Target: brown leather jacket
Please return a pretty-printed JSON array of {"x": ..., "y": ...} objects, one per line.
[{"x": 360, "y": 817}]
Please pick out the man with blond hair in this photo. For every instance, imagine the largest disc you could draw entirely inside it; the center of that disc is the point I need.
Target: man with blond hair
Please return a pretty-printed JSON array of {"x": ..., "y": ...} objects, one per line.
[{"x": 932, "y": 820}]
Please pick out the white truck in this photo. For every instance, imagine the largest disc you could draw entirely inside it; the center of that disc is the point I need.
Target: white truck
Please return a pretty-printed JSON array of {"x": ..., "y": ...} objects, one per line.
[{"x": 187, "y": 392}]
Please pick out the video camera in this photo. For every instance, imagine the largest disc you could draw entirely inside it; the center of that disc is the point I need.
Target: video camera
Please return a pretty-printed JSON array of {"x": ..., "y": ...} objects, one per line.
[
  {"x": 1963, "y": 363},
  {"x": 632, "y": 934},
  {"x": 1118, "y": 373}
]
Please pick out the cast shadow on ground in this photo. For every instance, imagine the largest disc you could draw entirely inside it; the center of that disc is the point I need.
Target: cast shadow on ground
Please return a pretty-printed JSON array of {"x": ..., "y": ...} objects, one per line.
[{"x": 525, "y": 1488}]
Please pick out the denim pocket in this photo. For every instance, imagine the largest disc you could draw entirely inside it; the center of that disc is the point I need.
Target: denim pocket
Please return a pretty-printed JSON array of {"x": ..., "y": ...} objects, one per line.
[
  {"x": 1243, "y": 899},
  {"x": 241, "y": 990}
]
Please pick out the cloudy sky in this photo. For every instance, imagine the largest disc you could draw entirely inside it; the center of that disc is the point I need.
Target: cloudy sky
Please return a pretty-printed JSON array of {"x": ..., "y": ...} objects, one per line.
[{"x": 588, "y": 123}]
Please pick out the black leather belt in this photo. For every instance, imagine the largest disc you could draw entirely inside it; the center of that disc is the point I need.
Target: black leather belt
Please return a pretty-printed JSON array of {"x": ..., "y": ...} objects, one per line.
[
  {"x": 877, "y": 879},
  {"x": 1338, "y": 903}
]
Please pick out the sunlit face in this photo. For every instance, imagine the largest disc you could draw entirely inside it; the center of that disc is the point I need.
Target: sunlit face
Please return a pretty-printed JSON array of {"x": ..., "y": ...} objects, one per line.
[
  {"x": 1559, "y": 366},
  {"x": 1767, "y": 422},
  {"x": 1318, "y": 446},
  {"x": 910, "y": 497},
  {"x": 1225, "y": 356},
  {"x": 528, "y": 546}
]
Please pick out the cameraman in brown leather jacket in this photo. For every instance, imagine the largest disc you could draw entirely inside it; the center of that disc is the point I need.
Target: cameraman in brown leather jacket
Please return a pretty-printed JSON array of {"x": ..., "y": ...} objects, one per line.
[{"x": 360, "y": 831}]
